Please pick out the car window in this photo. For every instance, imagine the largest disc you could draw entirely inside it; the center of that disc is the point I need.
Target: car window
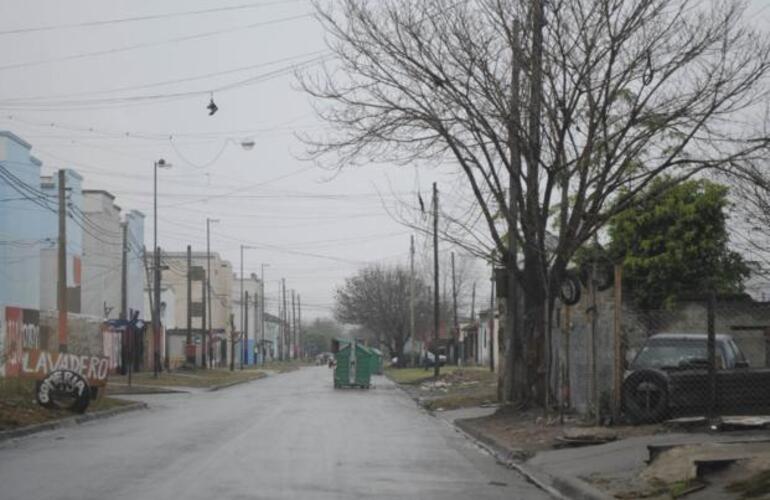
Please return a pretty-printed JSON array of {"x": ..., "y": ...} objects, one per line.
[{"x": 673, "y": 353}]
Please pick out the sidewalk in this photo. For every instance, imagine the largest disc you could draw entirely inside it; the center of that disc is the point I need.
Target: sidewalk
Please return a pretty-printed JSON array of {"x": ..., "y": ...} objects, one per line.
[{"x": 605, "y": 471}]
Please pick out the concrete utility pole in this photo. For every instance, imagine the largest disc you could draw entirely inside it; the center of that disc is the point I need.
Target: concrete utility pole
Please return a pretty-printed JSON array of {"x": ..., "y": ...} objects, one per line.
[
  {"x": 203, "y": 318},
  {"x": 61, "y": 281},
  {"x": 512, "y": 333},
  {"x": 285, "y": 319},
  {"x": 256, "y": 322},
  {"x": 435, "y": 283},
  {"x": 207, "y": 298},
  {"x": 188, "y": 340},
  {"x": 157, "y": 324},
  {"x": 456, "y": 326},
  {"x": 156, "y": 320},
  {"x": 262, "y": 312},
  {"x": 279, "y": 340},
  {"x": 299, "y": 326},
  {"x": 293, "y": 326},
  {"x": 491, "y": 345},
  {"x": 411, "y": 290},
  {"x": 245, "y": 328},
  {"x": 124, "y": 273}
]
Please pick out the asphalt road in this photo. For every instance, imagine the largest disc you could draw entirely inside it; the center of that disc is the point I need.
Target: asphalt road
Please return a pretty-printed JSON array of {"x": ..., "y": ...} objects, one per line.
[{"x": 289, "y": 436}]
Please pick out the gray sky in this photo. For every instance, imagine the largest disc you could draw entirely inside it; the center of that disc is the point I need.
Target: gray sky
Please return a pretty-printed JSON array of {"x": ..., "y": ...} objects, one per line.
[
  {"x": 277, "y": 201},
  {"x": 311, "y": 226}
]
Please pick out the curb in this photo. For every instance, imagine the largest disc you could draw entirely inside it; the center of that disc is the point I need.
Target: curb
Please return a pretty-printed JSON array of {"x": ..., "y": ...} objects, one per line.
[
  {"x": 560, "y": 487},
  {"x": 502, "y": 455},
  {"x": 79, "y": 419},
  {"x": 137, "y": 390},
  {"x": 237, "y": 382}
]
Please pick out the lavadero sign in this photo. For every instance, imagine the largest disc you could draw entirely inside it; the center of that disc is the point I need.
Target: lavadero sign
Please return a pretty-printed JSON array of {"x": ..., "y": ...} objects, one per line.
[{"x": 38, "y": 364}]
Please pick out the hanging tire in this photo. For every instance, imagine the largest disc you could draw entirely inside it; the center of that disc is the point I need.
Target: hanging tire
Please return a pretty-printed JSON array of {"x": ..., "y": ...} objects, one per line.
[
  {"x": 645, "y": 397},
  {"x": 569, "y": 292}
]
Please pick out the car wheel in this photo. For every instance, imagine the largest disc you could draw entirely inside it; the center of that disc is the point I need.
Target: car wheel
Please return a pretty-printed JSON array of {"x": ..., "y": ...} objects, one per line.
[{"x": 645, "y": 397}]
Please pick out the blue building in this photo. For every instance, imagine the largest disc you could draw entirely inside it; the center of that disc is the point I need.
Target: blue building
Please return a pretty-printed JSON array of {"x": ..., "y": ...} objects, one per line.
[{"x": 21, "y": 221}]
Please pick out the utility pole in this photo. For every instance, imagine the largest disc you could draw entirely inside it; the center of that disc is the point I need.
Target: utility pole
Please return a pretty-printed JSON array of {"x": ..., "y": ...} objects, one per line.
[
  {"x": 157, "y": 325},
  {"x": 492, "y": 335},
  {"x": 285, "y": 319},
  {"x": 245, "y": 328},
  {"x": 299, "y": 325},
  {"x": 279, "y": 340},
  {"x": 512, "y": 342},
  {"x": 262, "y": 312},
  {"x": 203, "y": 319},
  {"x": 124, "y": 274},
  {"x": 435, "y": 283},
  {"x": 256, "y": 338},
  {"x": 293, "y": 326},
  {"x": 411, "y": 290},
  {"x": 473, "y": 302},
  {"x": 456, "y": 326},
  {"x": 61, "y": 282},
  {"x": 156, "y": 320},
  {"x": 188, "y": 340},
  {"x": 207, "y": 298}
]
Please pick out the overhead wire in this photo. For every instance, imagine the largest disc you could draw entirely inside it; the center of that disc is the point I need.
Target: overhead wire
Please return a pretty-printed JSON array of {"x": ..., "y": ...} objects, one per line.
[
  {"x": 149, "y": 17},
  {"x": 197, "y": 36}
]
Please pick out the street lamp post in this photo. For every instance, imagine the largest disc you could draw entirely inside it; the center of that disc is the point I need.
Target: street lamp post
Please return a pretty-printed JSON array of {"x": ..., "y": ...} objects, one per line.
[
  {"x": 208, "y": 289},
  {"x": 262, "y": 311},
  {"x": 244, "y": 333},
  {"x": 156, "y": 306}
]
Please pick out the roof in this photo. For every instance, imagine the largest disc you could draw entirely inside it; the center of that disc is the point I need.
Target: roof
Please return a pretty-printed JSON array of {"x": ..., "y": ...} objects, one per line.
[{"x": 688, "y": 336}]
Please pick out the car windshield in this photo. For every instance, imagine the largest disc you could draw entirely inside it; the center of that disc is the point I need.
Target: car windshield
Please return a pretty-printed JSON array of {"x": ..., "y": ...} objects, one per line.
[{"x": 670, "y": 353}]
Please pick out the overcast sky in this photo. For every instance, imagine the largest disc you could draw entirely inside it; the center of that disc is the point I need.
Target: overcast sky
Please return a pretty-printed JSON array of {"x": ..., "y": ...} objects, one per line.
[{"x": 79, "y": 94}]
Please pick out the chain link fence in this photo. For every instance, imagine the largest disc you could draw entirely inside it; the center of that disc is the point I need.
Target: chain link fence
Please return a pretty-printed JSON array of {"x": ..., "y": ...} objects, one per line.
[{"x": 704, "y": 355}]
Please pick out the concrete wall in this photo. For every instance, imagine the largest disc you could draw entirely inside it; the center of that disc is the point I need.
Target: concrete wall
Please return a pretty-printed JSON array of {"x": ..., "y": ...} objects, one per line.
[
  {"x": 135, "y": 272},
  {"x": 21, "y": 235},
  {"x": 50, "y": 230},
  {"x": 102, "y": 256}
]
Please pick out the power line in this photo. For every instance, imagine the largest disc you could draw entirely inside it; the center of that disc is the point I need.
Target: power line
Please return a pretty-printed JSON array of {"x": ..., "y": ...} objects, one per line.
[
  {"x": 149, "y": 17},
  {"x": 166, "y": 82},
  {"x": 198, "y": 36}
]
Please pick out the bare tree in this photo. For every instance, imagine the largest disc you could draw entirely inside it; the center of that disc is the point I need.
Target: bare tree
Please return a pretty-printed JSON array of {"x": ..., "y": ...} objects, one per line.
[
  {"x": 559, "y": 115},
  {"x": 377, "y": 299}
]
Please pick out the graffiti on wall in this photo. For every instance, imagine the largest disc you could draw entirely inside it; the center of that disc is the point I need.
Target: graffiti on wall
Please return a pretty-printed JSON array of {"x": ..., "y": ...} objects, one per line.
[
  {"x": 38, "y": 364},
  {"x": 22, "y": 331}
]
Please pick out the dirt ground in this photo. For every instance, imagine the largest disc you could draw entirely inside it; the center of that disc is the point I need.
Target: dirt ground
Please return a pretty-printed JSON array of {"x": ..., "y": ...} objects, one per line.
[
  {"x": 455, "y": 387},
  {"x": 528, "y": 432},
  {"x": 18, "y": 407}
]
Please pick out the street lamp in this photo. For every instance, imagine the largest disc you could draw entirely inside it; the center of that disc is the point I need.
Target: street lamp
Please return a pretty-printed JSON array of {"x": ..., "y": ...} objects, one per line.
[
  {"x": 156, "y": 251},
  {"x": 208, "y": 289},
  {"x": 244, "y": 333},
  {"x": 262, "y": 311}
]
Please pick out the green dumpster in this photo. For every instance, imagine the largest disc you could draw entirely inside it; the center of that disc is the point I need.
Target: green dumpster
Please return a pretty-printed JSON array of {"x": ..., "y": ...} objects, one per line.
[
  {"x": 377, "y": 364},
  {"x": 354, "y": 364}
]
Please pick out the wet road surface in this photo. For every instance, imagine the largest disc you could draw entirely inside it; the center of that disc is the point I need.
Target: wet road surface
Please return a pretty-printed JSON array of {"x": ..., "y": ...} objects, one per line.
[{"x": 289, "y": 436}]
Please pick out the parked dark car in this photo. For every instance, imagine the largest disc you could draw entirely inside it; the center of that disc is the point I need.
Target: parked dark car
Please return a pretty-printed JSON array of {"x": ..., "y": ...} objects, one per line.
[{"x": 669, "y": 378}]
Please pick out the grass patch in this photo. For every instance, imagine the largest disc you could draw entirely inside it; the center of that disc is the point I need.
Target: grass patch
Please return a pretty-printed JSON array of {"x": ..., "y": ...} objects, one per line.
[
  {"x": 285, "y": 366},
  {"x": 756, "y": 486},
  {"x": 192, "y": 378},
  {"x": 414, "y": 376},
  {"x": 18, "y": 407}
]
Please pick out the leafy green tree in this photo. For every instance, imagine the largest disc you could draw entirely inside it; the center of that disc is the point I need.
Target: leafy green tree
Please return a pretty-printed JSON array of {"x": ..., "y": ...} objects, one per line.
[{"x": 677, "y": 244}]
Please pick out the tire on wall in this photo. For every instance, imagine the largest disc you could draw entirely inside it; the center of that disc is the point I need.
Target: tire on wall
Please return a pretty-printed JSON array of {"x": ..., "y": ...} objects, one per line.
[
  {"x": 570, "y": 292},
  {"x": 645, "y": 396}
]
